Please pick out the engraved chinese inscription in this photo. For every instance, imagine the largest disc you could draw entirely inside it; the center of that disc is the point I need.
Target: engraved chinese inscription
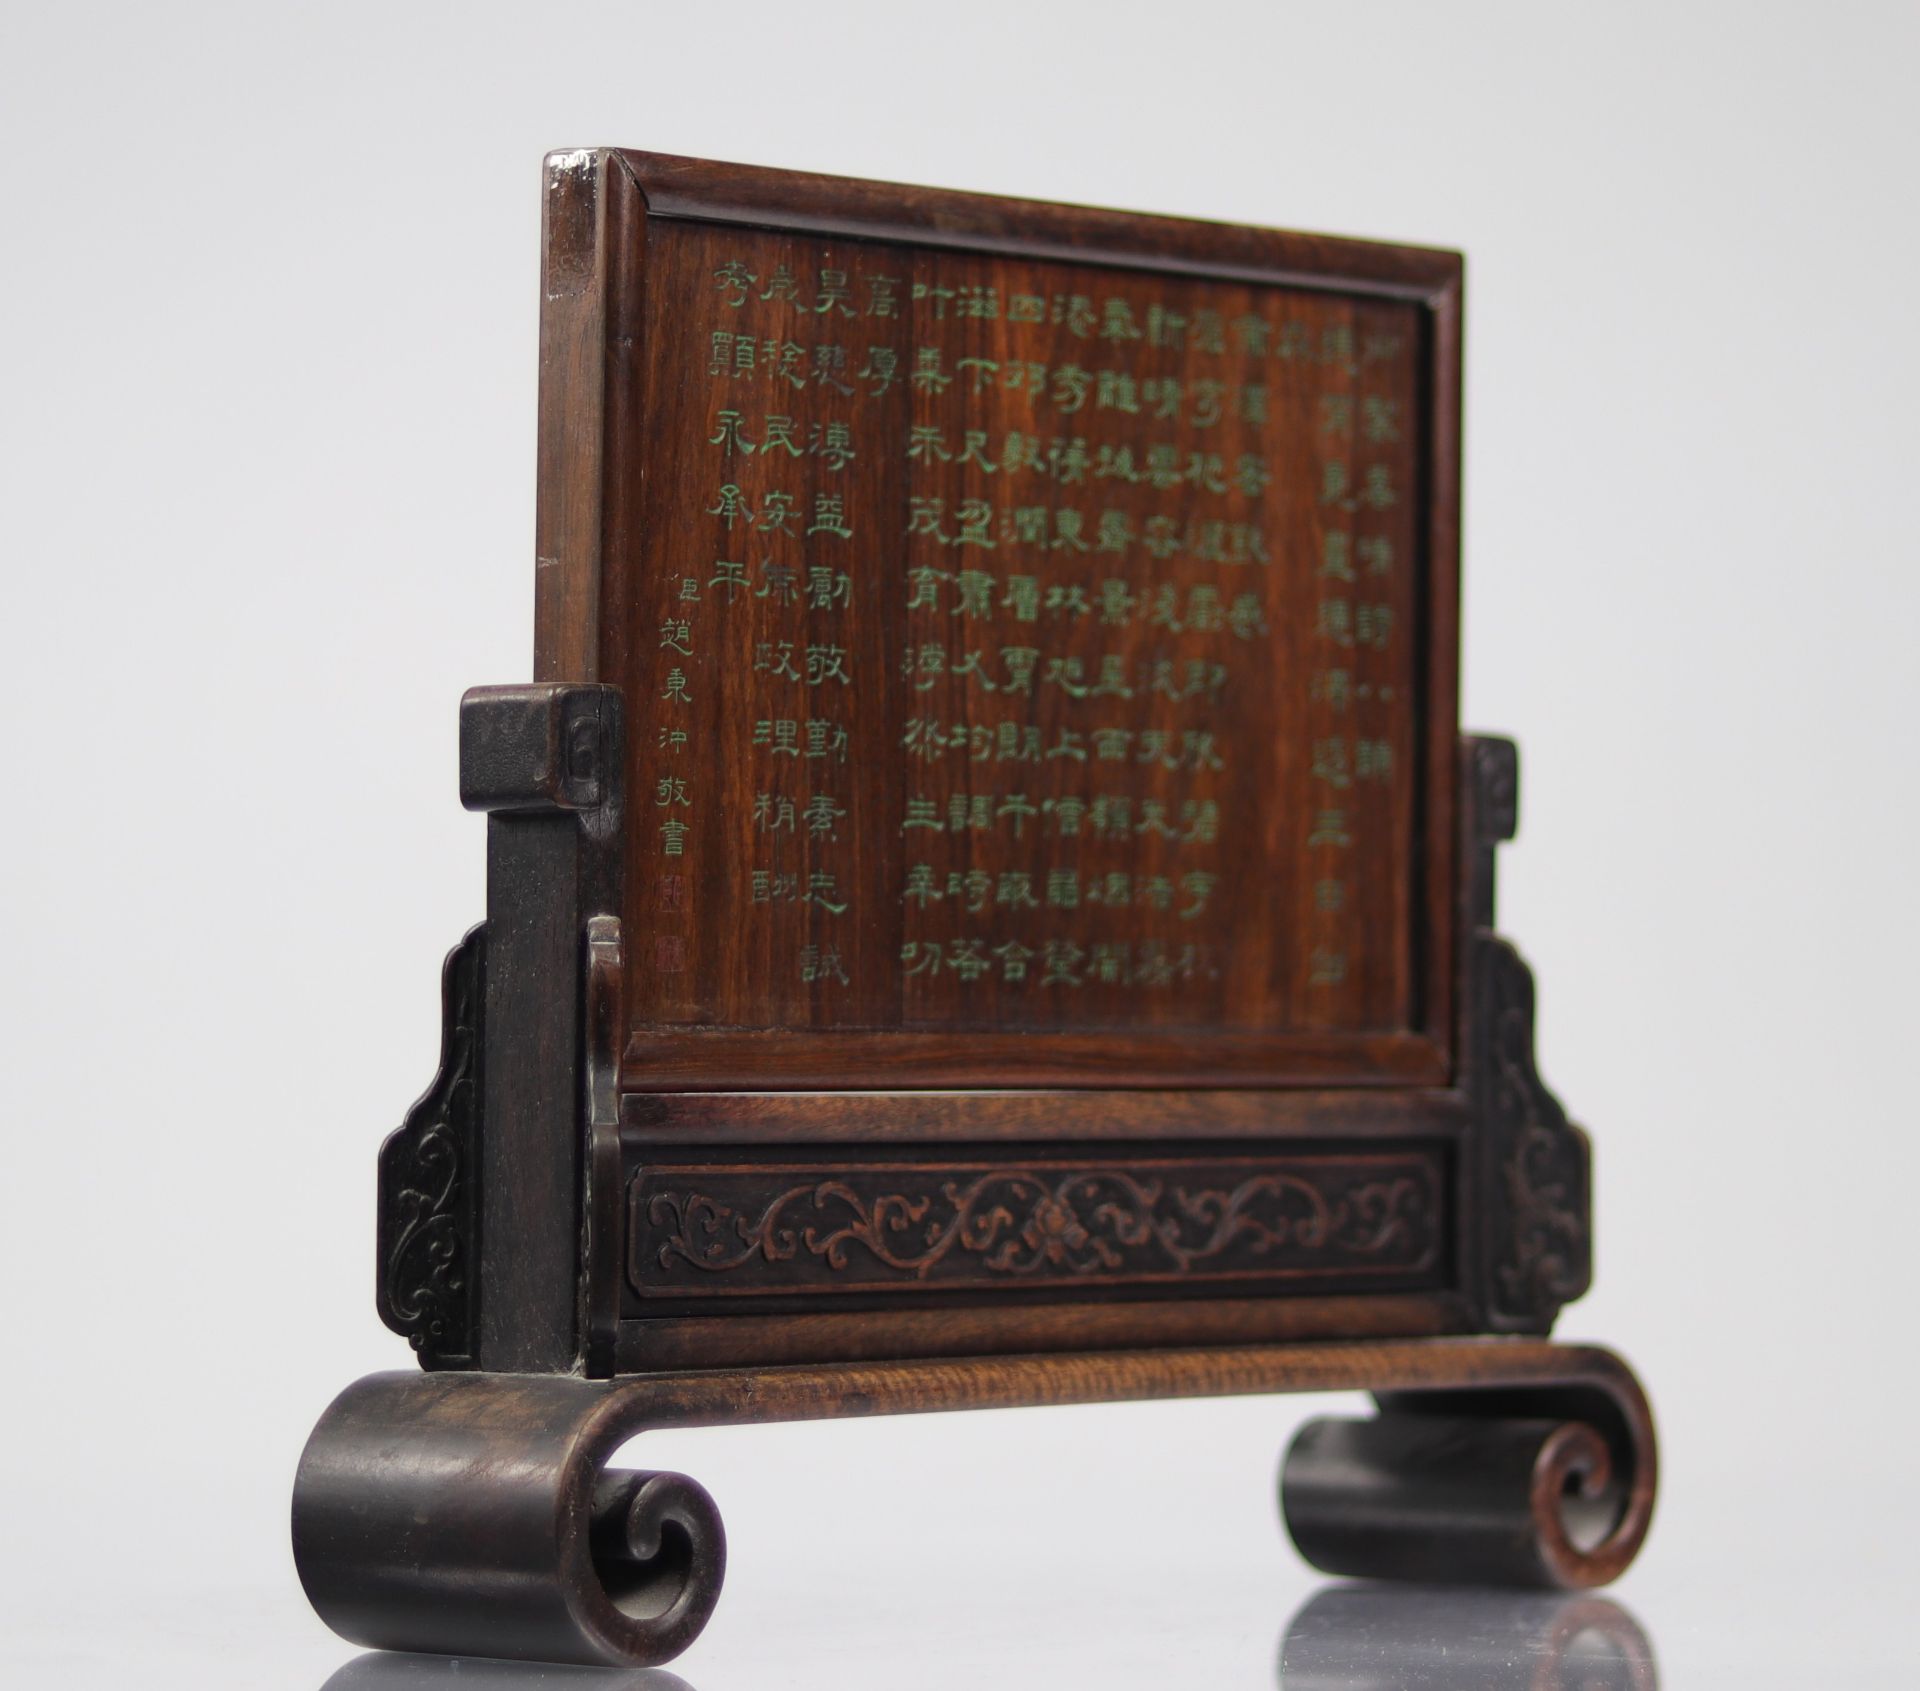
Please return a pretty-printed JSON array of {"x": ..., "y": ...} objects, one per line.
[{"x": 1023, "y": 643}]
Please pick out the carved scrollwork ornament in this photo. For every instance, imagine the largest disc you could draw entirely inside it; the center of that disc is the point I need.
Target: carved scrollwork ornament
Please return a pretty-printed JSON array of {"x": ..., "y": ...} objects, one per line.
[
  {"x": 1034, "y": 1223},
  {"x": 427, "y": 1289},
  {"x": 1536, "y": 1168}
]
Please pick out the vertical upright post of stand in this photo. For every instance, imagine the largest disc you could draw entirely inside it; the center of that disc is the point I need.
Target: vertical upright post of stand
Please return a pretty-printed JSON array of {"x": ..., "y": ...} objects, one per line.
[{"x": 543, "y": 762}]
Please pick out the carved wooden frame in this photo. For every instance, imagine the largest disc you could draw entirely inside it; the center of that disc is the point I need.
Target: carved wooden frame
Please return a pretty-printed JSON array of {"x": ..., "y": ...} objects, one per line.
[{"x": 600, "y": 210}]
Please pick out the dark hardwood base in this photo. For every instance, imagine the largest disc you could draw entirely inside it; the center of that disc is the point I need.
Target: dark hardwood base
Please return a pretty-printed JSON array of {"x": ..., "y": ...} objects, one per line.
[{"x": 473, "y": 1514}]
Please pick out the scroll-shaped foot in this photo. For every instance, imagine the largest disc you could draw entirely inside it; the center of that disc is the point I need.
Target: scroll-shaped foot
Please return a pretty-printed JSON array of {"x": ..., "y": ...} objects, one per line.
[
  {"x": 659, "y": 1553},
  {"x": 1548, "y": 1487},
  {"x": 474, "y": 1515}
]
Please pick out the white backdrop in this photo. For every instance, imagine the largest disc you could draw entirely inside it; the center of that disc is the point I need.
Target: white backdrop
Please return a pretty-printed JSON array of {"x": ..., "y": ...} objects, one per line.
[{"x": 268, "y": 311}]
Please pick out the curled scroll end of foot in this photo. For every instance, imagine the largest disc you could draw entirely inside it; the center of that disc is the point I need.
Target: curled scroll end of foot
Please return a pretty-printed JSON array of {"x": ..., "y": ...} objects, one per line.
[
  {"x": 659, "y": 1555},
  {"x": 474, "y": 1515},
  {"x": 1467, "y": 1499}
]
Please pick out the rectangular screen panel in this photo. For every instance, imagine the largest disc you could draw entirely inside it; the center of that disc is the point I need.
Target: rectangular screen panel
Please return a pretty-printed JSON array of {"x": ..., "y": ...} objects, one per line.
[{"x": 1022, "y": 657}]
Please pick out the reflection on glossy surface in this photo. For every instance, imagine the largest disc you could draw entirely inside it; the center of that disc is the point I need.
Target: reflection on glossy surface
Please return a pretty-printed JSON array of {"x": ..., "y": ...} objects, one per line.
[
  {"x": 387, "y": 1670},
  {"x": 1388, "y": 1638},
  {"x": 1343, "y": 1638}
]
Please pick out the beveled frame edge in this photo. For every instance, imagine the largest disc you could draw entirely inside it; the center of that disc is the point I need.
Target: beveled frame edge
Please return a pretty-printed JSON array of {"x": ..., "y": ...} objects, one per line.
[
  {"x": 571, "y": 426},
  {"x": 710, "y": 191}
]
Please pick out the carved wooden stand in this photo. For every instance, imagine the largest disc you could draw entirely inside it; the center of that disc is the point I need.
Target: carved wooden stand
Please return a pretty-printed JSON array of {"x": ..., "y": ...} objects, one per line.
[
  {"x": 473, "y": 1513},
  {"x": 676, "y": 1169}
]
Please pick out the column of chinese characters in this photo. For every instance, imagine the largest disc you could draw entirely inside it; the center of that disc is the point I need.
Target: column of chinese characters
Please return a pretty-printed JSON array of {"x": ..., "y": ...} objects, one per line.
[
  {"x": 1353, "y": 618},
  {"x": 672, "y": 794},
  {"x": 781, "y": 433}
]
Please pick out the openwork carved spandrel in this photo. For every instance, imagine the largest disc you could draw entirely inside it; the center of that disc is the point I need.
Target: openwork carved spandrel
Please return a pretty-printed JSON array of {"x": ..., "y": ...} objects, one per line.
[
  {"x": 427, "y": 1287},
  {"x": 1535, "y": 1172},
  {"x": 732, "y": 1231},
  {"x": 1538, "y": 1197}
]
